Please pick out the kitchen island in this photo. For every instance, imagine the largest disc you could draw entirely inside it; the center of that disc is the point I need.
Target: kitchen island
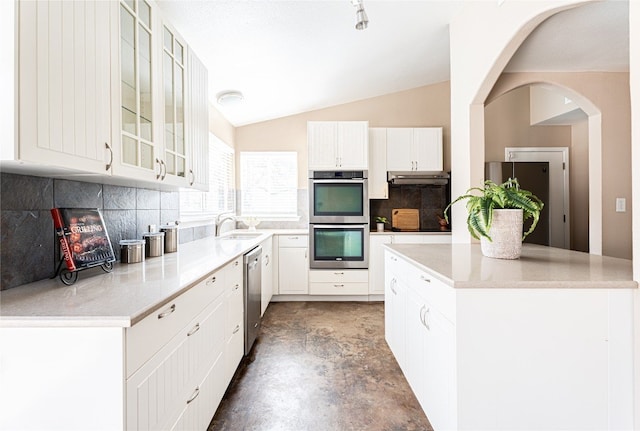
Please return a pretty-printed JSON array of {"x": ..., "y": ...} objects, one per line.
[{"x": 544, "y": 342}]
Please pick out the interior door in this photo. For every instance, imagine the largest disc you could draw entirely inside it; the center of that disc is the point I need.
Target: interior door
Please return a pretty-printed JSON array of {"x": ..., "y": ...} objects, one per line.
[{"x": 558, "y": 158}]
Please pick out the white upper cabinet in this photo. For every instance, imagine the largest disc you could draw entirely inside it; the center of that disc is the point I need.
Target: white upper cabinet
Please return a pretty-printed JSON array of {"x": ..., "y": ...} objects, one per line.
[
  {"x": 414, "y": 149},
  {"x": 136, "y": 116},
  {"x": 378, "y": 185},
  {"x": 338, "y": 145},
  {"x": 64, "y": 84},
  {"x": 198, "y": 124},
  {"x": 104, "y": 88}
]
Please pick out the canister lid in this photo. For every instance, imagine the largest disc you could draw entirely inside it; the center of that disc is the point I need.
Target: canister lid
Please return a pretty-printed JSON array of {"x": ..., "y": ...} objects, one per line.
[
  {"x": 152, "y": 234},
  {"x": 169, "y": 227},
  {"x": 132, "y": 242}
]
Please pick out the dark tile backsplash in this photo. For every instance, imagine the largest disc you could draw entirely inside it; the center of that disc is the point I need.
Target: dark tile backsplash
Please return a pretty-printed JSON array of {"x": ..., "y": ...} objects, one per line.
[
  {"x": 28, "y": 247},
  {"x": 431, "y": 200}
]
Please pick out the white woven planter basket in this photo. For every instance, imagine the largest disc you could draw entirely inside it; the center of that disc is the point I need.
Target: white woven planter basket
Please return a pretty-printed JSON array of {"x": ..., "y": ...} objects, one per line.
[{"x": 506, "y": 235}]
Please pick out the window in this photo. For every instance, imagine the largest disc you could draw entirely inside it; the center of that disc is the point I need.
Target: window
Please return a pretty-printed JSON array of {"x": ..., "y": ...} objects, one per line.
[
  {"x": 221, "y": 195},
  {"x": 268, "y": 184}
]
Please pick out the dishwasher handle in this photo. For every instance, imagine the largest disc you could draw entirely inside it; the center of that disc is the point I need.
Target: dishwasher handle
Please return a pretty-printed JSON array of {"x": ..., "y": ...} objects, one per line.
[{"x": 252, "y": 258}]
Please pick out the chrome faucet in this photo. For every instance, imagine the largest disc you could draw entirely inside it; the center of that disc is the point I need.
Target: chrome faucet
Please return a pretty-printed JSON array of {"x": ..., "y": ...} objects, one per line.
[{"x": 221, "y": 218}]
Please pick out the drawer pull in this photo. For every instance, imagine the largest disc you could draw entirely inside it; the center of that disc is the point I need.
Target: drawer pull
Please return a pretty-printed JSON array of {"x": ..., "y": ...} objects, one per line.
[
  {"x": 236, "y": 329},
  {"x": 236, "y": 287},
  {"x": 194, "y": 396},
  {"x": 293, "y": 237},
  {"x": 194, "y": 330},
  {"x": 167, "y": 311},
  {"x": 338, "y": 285},
  {"x": 339, "y": 273},
  {"x": 211, "y": 280},
  {"x": 423, "y": 278}
]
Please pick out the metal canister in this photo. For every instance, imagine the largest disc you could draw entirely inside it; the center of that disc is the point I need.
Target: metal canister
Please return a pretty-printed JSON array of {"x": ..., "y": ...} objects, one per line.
[
  {"x": 170, "y": 237},
  {"x": 154, "y": 243},
  {"x": 132, "y": 250}
]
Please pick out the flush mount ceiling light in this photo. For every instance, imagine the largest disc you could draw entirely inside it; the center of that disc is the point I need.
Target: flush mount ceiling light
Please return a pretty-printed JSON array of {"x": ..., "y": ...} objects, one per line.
[
  {"x": 362, "y": 21},
  {"x": 229, "y": 97}
]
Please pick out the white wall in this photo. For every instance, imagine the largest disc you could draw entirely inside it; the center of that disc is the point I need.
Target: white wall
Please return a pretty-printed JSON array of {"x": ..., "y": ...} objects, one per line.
[{"x": 634, "y": 83}]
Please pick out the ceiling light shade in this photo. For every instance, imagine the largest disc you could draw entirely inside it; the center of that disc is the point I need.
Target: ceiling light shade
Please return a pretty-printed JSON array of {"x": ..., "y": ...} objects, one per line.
[
  {"x": 362, "y": 21},
  {"x": 229, "y": 98}
]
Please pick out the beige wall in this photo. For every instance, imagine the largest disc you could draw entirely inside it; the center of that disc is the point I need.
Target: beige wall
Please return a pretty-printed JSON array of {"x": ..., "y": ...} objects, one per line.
[
  {"x": 507, "y": 124},
  {"x": 219, "y": 126},
  {"x": 579, "y": 186},
  {"x": 609, "y": 93},
  {"x": 423, "y": 106}
]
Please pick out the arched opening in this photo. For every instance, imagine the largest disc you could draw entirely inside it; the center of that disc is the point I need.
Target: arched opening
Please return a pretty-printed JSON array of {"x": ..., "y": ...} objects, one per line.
[{"x": 541, "y": 118}]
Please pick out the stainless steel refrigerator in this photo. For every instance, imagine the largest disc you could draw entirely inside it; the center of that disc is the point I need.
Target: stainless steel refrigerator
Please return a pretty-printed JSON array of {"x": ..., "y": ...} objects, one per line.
[{"x": 532, "y": 176}]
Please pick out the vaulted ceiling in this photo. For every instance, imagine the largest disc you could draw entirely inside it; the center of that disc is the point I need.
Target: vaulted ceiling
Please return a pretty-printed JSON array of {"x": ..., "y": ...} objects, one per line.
[{"x": 288, "y": 57}]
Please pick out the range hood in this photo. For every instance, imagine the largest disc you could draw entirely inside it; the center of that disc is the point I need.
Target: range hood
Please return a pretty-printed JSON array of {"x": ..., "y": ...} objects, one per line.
[{"x": 418, "y": 177}]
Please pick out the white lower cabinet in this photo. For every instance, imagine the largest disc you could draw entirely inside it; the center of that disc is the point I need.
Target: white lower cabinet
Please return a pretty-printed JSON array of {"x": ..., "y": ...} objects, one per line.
[
  {"x": 376, "y": 253},
  {"x": 180, "y": 382},
  {"x": 293, "y": 264},
  {"x": 158, "y": 391},
  {"x": 267, "y": 274},
  {"x": 234, "y": 320},
  {"x": 338, "y": 282}
]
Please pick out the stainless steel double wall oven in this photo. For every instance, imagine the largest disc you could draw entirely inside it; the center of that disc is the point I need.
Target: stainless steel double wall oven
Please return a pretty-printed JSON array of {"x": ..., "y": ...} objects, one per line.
[{"x": 338, "y": 219}]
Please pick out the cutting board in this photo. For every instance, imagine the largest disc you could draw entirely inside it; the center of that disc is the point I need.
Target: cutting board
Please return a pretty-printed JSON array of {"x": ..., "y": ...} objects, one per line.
[{"x": 405, "y": 219}]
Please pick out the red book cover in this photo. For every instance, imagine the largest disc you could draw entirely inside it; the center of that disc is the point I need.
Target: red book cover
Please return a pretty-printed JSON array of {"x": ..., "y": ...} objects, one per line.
[{"x": 83, "y": 237}]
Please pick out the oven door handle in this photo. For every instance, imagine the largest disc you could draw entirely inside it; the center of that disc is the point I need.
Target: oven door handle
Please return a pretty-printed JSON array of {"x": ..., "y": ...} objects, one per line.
[{"x": 348, "y": 181}]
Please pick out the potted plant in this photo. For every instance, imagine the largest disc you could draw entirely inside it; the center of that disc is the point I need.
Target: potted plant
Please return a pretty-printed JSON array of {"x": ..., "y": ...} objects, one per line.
[
  {"x": 497, "y": 215},
  {"x": 380, "y": 222}
]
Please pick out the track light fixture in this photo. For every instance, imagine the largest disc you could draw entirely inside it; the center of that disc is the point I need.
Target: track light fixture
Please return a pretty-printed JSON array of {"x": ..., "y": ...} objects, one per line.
[{"x": 362, "y": 21}]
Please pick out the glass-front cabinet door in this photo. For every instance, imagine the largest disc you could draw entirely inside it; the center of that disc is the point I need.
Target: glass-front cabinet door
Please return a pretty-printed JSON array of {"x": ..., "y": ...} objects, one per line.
[
  {"x": 138, "y": 148},
  {"x": 173, "y": 82}
]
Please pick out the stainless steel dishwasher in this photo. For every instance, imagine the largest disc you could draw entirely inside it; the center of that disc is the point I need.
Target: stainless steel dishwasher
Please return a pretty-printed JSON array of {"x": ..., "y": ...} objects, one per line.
[{"x": 252, "y": 296}]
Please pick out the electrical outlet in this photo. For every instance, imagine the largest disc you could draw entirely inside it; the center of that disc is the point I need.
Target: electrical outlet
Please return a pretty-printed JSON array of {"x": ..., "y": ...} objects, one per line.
[{"x": 621, "y": 205}]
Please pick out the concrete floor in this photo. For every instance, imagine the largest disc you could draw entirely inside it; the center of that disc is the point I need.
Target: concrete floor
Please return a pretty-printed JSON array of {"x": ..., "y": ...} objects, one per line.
[{"x": 320, "y": 366}]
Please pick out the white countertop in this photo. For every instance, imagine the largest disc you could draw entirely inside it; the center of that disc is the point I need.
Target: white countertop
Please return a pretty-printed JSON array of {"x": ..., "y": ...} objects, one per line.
[
  {"x": 124, "y": 296},
  {"x": 464, "y": 266}
]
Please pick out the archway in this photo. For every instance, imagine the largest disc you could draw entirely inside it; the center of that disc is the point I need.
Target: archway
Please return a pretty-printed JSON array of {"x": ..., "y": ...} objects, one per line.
[{"x": 585, "y": 196}]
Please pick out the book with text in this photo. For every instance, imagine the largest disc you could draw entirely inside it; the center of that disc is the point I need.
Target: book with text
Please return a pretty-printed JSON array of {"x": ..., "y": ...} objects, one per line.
[{"x": 83, "y": 237}]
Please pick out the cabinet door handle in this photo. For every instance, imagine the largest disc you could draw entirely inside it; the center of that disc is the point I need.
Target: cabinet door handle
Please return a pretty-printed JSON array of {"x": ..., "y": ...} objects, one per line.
[
  {"x": 164, "y": 169},
  {"x": 194, "y": 330},
  {"x": 110, "y": 156},
  {"x": 236, "y": 329},
  {"x": 159, "y": 174},
  {"x": 193, "y": 177},
  {"x": 422, "y": 311},
  {"x": 167, "y": 311},
  {"x": 306, "y": 253},
  {"x": 423, "y": 278},
  {"x": 211, "y": 280},
  {"x": 236, "y": 263},
  {"x": 392, "y": 285},
  {"x": 424, "y": 320},
  {"x": 194, "y": 396},
  {"x": 236, "y": 287},
  {"x": 266, "y": 260},
  {"x": 416, "y": 165}
]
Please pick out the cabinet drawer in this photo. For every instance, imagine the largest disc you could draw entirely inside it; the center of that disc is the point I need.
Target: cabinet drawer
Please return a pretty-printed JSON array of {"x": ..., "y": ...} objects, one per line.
[
  {"x": 339, "y": 276},
  {"x": 339, "y": 288},
  {"x": 148, "y": 336},
  {"x": 434, "y": 291},
  {"x": 293, "y": 241}
]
